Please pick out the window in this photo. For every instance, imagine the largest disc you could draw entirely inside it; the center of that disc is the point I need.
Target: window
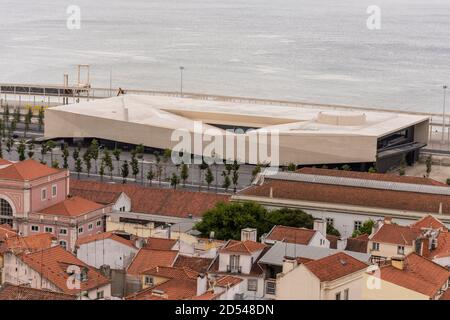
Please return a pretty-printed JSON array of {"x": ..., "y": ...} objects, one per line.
[
  {"x": 90, "y": 226},
  {"x": 49, "y": 229},
  {"x": 346, "y": 294},
  {"x": 6, "y": 212},
  {"x": 330, "y": 222},
  {"x": 63, "y": 231},
  {"x": 338, "y": 296},
  {"x": 252, "y": 285},
  {"x": 54, "y": 190},
  {"x": 100, "y": 295},
  {"x": 357, "y": 225},
  {"x": 122, "y": 209},
  {"x": 80, "y": 230},
  {"x": 400, "y": 250},
  {"x": 44, "y": 194},
  {"x": 99, "y": 223},
  {"x": 149, "y": 281},
  {"x": 63, "y": 244},
  {"x": 35, "y": 228},
  {"x": 234, "y": 264},
  {"x": 375, "y": 246},
  {"x": 322, "y": 242}
]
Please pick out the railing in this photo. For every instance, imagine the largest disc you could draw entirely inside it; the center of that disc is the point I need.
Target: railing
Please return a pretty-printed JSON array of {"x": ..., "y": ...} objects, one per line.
[{"x": 234, "y": 269}]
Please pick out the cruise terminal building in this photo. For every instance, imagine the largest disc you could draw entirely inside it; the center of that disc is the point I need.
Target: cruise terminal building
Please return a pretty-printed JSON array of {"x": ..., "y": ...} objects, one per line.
[{"x": 306, "y": 135}]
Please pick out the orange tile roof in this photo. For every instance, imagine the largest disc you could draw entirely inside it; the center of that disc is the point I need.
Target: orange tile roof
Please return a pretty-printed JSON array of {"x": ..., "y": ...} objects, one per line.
[
  {"x": 173, "y": 289},
  {"x": 103, "y": 197},
  {"x": 443, "y": 246},
  {"x": 371, "y": 176},
  {"x": 228, "y": 281},
  {"x": 172, "y": 272},
  {"x": 396, "y": 234},
  {"x": 195, "y": 263},
  {"x": 446, "y": 295},
  {"x": 146, "y": 259},
  {"x": 168, "y": 202},
  {"x": 429, "y": 222},
  {"x": 335, "y": 266},
  {"x": 355, "y": 196},
  {"x": 4, "y": 162},
  {"x": 420, "y": 275},
  {"x": 72, "y": 207},
  {"x": 244, "y": 247},
  {"x": 103, "y": 236},
  {"x": 26, "y": 170},
  {"x": 208, "y": 295},
  {"x": 52, "y": 263},
  {"x": 160, "y": 243},
  {"x": 6, "y": 232},
  {"x": 32, "y": 243},
  {"x": 13, "y": 292},
  {"x": 291, "y": 234}
]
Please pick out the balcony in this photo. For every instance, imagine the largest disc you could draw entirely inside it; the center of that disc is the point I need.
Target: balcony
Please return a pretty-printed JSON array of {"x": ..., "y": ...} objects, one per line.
[{"x": 234, "y": 269}]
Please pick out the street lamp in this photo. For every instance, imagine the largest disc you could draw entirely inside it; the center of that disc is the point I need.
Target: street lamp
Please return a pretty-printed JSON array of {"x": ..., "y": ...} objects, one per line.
[
  {"x": 181, "y": 82},
  {"x": 443, "y": 114}
]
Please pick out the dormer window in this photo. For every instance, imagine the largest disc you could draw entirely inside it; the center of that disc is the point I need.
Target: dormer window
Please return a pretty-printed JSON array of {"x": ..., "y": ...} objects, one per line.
[
  {"x": 84, "y": 274},
  {"x": 234, "y": 264}
]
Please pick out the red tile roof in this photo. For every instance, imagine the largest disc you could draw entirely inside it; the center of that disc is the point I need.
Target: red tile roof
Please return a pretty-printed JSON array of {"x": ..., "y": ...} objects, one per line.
[
  {"x": 443, "y": 246},
  {"x": 396, "y": 234},
  {"x": 174, "y": 289},
  {"x": 291, "y": 234},
  {"x": 172, "y": 272},
  {"x": 160, "y": 243},
  {"x": 195, "y": 263},
  {"x": 103, "y": 236},
  {"x": 169, "y": 202},
  {"x": 26, "y": 170},
  {"x": 356, "y": 196},
  {"x": 32, "y": 243},
  {"x": 244, "y": 247},
  {"x": 446, "y": 295},
  {"x": 228, "y": 281},
  {"x": 335, "y": 266},
  {"x": 103, "y": 197},
  {"x": 72, "y": 207},
  {"x": 146, "y": 259},
  {"x": 429, "y": 222},
  {"x": 6, "y": 232},
  {"x": 4, "y": 162},
  {"x": 371, "y": 176},
  {"x": 13, "y": 292},
  {"x": 208, "y": 295},
  {"x": 52, "y": 263},
  {"x": 420, "y": 275}
]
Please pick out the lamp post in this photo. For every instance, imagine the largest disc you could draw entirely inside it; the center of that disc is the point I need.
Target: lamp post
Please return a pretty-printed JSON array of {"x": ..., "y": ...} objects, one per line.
[
  {"x": 443, "y": 114},
  {"x": 181, "y": 80}
]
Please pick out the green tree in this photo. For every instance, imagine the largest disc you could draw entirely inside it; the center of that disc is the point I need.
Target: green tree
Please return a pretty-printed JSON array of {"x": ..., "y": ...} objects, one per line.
[
  {"x": 226, "y": 180},
  {"x": 140, "y": 149},
  {"x": 1, "y": 148},
  {"x": 235, "y": 175},
  {"x": 65, "y": 155},
  {"x": 87, "y": 162},
  {"x": 346, "y": 167},
  {"x": 209, "y": 177},
  {"x": 256, "y": 170},
  {"x": 6, "y": 113},
  {"x": 116, "y": 153},
  {"x": 134, "y": 165},
  {"x": 366, "y": 228},
  {"x": 291, "y": 167},
  {"x": 184, "y": 174},
  {"x": 17, "y": 115},
  {"x": 202, "y": 167},
  {"x": 21, "y": 148},
  {"x": 108, "y": 161},
  {"x": 9, "y": 144},
  {"x": 174, "y": 180},
  {"x": 78, "y": 166},
  {"x": 429, "y": 163},
  {"x": 55, "y": 164},
  {"x": 125, "y": 171},
  {"x": 101, "y": 171},
  {"x": 150, "y": 175},
  {"x": 13, "y": 125},
  {"x": 41, "y": 118},
  {"x": 50, "y": 145},
  {"x": 94, "y": 151},
  {"x": 28, "y": 118},
  {"x": 30, "y": 149},
  {"x": 372, "y": 170}
]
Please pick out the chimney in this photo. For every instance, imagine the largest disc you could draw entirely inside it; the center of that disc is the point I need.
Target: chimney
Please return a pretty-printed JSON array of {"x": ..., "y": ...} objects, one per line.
[
  {"x": 321, "y": 226},
  {"x": 202, "y": 284},
  {"x": 54, "y": 243},
  {"x": 248, "y": 234},
  {"x": 289, "y": 263},
  {"x": 271, "y": 193},
  {"x": 387, "y": 220},
  {"x": 398, "y": 262},
  {"x": 341, "y": 244}
]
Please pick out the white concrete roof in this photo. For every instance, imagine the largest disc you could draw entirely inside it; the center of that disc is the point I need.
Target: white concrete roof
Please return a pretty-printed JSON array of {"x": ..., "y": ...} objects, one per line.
[{"x": 174, "y": 112}]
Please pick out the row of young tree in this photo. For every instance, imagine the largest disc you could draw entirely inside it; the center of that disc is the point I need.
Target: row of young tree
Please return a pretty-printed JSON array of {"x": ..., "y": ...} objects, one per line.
[{"x": 10, "y": 120}]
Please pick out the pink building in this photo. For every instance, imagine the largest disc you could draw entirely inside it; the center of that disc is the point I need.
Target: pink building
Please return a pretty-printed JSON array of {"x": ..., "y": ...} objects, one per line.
[{"x": 35, "y": 198}]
